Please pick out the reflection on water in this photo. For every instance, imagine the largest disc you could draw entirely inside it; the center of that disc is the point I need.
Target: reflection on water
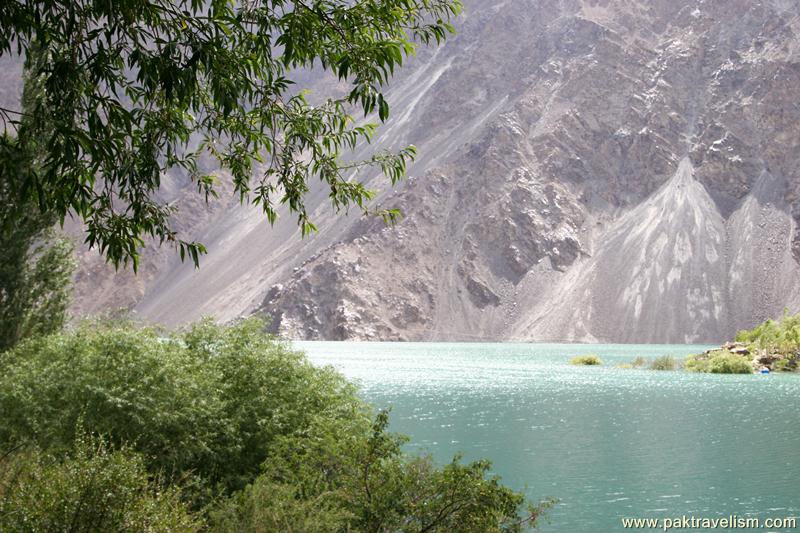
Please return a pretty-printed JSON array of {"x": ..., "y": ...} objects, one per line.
[{"x": 608, "y": 442}]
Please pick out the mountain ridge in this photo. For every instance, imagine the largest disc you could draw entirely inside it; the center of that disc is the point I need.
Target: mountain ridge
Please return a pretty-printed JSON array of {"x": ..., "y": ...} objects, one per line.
[{"x": 548, "y": 132}]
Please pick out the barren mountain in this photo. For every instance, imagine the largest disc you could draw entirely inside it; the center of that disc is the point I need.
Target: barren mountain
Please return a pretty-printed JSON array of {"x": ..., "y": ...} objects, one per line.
[{"x": 610, "y": 170}]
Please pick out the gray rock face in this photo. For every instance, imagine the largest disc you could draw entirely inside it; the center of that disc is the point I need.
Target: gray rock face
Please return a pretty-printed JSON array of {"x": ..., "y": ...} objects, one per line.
[{"x": 611, "y": 170}]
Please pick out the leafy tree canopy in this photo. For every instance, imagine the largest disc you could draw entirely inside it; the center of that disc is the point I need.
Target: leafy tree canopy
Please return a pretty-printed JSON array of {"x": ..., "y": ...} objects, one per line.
[{"x": 133, "y": 88}]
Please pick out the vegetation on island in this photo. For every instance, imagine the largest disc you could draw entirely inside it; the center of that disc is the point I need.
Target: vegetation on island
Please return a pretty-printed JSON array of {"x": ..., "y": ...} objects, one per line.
[
  {"x": 776, "y": 343},
  {"x": 719, "y": 362},
  {"x": 116, "y": 427},
  {"x": 586, "y": 360},
  {"x": 773, "y": 345},
  {"x": 638, "y": 362},
  {"x": 664, "y": 362}
]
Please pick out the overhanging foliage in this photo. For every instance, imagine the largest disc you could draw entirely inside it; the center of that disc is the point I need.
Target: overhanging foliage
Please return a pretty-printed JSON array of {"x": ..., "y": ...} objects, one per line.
[{"x": 133, "y": 88}]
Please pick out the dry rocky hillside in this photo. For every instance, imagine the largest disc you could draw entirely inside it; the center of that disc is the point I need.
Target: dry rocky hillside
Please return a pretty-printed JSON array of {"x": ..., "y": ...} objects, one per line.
[{"x": 610, "y": 170}]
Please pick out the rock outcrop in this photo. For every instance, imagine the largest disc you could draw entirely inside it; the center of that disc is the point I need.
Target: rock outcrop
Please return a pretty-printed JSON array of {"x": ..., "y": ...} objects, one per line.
[{"x": 639, "y": 183}]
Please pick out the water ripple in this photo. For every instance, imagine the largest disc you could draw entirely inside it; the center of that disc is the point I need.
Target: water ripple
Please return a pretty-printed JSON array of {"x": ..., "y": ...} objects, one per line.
[{"x": 608, "y": 442}]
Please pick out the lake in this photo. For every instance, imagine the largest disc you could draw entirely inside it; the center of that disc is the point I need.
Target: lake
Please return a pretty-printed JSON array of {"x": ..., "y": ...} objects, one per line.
[{"x": 607, "y": 442}]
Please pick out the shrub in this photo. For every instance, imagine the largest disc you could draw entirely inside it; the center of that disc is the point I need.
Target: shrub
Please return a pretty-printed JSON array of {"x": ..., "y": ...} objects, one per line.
[
  {"x": 369, "y": 485},
  {"x": 788, "y": 364},
  {"x": 588, "y": 360},
  {"x": 665, "y": 362},
  {"x": 696, "y": 363},
  {"x": 782, "y": 336},
  {"x": 210, "y": 401},
  {"x": 265, "y": 506},
  {"x": 638, "y": 362},
  {"x": 719, "y": 362},
  {"x": 91, "y": 489},
  {"x": 271, "y": 443},
  {"x": 730, "y": 364}
]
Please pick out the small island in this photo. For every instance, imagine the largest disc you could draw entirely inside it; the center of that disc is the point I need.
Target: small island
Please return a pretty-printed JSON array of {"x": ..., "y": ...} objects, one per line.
[{"x": 773, "y": 346}]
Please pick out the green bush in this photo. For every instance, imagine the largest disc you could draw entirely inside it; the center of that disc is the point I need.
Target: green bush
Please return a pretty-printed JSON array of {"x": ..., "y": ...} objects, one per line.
[
  {"x": 210, "y": 401},
  {"x": 588, "y": 360},
  {"x": 730, "y": 364},
  {"x": 638, "y": 362},
  {"x": 782, "y": 336},
  {"x": 695, "y": 363},
  {"x": 369, "y": 485},
  {"x": 91, "y": 489},
  {"x": 265, "y": 506},
  {"x": 665, "y": 362},
  {"x": 719, "y": 362},
  {"x": 264, "y": 440},
  {"x": 789, "y": 364}
]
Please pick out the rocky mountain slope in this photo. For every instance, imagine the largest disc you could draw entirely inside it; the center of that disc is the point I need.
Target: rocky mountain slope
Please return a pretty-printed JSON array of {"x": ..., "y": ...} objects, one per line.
[{"x": 609, "y": 170}]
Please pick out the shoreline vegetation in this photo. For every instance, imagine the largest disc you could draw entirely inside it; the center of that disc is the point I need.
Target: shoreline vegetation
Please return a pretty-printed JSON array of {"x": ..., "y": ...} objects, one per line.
[
  {"x": 115, "y": 427},
  {"x": 773, "y": 346},
  {"x": 586, "y": 360}
]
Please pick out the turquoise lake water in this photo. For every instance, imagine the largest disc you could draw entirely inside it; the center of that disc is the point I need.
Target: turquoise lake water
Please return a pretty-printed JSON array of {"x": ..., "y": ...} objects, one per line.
[{"x": 608, "y": 442}]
